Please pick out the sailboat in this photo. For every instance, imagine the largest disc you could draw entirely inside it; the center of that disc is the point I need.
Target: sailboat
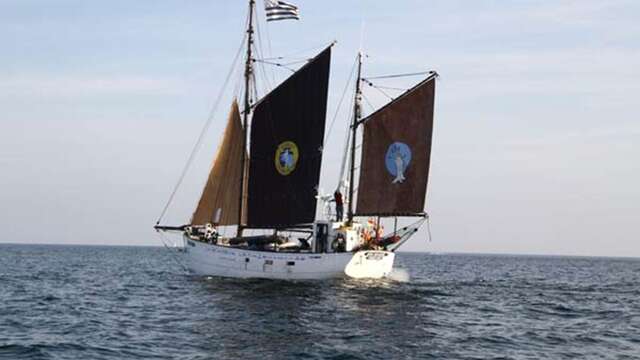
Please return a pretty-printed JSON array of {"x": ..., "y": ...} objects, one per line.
[{"x": 266, "y": 172}]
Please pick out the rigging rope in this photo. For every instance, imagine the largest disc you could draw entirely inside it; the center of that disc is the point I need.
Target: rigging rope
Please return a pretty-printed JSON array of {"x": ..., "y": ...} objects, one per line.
[
  {"x": 260, "y": 51},
  {"x": 280, "y": 65},
  {"x": 429, "y": 228},
  {"x": 399, "y": 75},
  {"x": 390, "y": 88},
  {"x": 346, "y": 159},
  {"x": 409, "y": 231},
  {"x": 324, "y": 45},
  {"x": 172, "y": 252},
  {"x": 366, "y": 99},
  {"x": 284, "y": 66},
  {"x": 344, "y": 93},
  {"x": 269, "y": 50},
  {"x": 198, "y": 143},
  {"x": 377, "y": 88}
]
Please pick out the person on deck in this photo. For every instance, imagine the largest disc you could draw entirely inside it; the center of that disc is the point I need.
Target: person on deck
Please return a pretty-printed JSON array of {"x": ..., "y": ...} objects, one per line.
[{"x": 337, "y": 197}]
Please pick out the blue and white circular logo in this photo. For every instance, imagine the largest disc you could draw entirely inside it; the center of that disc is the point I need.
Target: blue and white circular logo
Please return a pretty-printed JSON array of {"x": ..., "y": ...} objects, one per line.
[{"x": 397, "y": 160}]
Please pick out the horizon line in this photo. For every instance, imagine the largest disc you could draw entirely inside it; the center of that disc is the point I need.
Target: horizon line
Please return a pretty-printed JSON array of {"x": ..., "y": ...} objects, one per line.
[{"x": 436, "y": 253}]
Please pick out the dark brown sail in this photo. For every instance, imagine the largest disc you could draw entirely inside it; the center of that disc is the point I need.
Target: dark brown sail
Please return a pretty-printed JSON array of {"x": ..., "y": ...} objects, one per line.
[
  {"x": 221, "y": 191},
  {"x": 396, "y": 152},
  {"x": 287, "y": 133}
]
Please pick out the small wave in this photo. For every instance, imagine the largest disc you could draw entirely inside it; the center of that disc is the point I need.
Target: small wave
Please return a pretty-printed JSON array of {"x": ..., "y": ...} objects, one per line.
[
  {"x": 15, "y": 351},
  {"x": 50, "y": 298}
]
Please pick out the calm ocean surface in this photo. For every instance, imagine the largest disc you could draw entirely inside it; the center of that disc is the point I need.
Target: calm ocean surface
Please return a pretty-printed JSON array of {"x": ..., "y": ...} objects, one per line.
[{"x": 67, "y": 302}]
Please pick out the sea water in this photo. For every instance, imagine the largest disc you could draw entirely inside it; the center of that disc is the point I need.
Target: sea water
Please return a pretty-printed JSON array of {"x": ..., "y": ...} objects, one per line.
[{"x": 74, "y": 302}]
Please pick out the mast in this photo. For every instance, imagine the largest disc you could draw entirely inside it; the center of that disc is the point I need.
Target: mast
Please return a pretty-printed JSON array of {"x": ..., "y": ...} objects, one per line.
[
  {"x": 357, "y": 114},
  {"x": 248, "y": 69}
]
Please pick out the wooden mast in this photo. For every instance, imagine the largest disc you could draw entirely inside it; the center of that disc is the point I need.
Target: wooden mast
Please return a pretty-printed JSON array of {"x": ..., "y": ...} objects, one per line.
[
  {"x": 248, "y": 70},
  {"x": 357, "y": 114}
]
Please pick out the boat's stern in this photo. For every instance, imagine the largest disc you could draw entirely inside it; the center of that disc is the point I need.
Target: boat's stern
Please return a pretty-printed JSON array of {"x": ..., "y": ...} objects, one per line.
[{"x": 371, "y": 264}]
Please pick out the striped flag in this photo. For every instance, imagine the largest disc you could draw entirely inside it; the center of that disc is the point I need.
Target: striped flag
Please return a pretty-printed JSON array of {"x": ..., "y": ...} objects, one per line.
[{"x": 280, "y": 10}]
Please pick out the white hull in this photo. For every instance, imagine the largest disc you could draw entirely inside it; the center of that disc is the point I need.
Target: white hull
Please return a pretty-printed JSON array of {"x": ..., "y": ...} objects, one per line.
[{"x": 214, "y": 260}]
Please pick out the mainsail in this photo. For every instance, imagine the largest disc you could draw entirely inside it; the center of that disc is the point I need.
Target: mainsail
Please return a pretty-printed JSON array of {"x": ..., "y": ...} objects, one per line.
[
  {"x": 287, "y": 134},
  {"x": 396, "y": 152},
  {"x": 222, "y": 189}
]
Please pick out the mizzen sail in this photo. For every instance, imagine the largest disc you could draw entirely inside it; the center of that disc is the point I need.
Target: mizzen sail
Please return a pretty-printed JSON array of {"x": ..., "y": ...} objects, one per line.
[
  {"x": 222, "y": 190},
  {"x": 287, "y": 133},
  {"x": 396, "y": 152}
]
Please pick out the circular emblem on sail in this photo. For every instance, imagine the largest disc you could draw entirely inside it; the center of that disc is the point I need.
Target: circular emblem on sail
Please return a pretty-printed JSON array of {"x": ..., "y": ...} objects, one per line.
[
  {"x": 397, "y": 161},
  {"x": 286, "y": 157}
]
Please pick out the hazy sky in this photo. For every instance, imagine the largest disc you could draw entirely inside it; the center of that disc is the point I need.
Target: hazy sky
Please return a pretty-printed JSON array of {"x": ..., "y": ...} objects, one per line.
[{"x": 536, "y": 140}]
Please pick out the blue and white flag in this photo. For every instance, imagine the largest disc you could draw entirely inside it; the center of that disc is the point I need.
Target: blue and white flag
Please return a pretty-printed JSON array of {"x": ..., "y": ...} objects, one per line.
[{"x": 280, "y": 10}]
